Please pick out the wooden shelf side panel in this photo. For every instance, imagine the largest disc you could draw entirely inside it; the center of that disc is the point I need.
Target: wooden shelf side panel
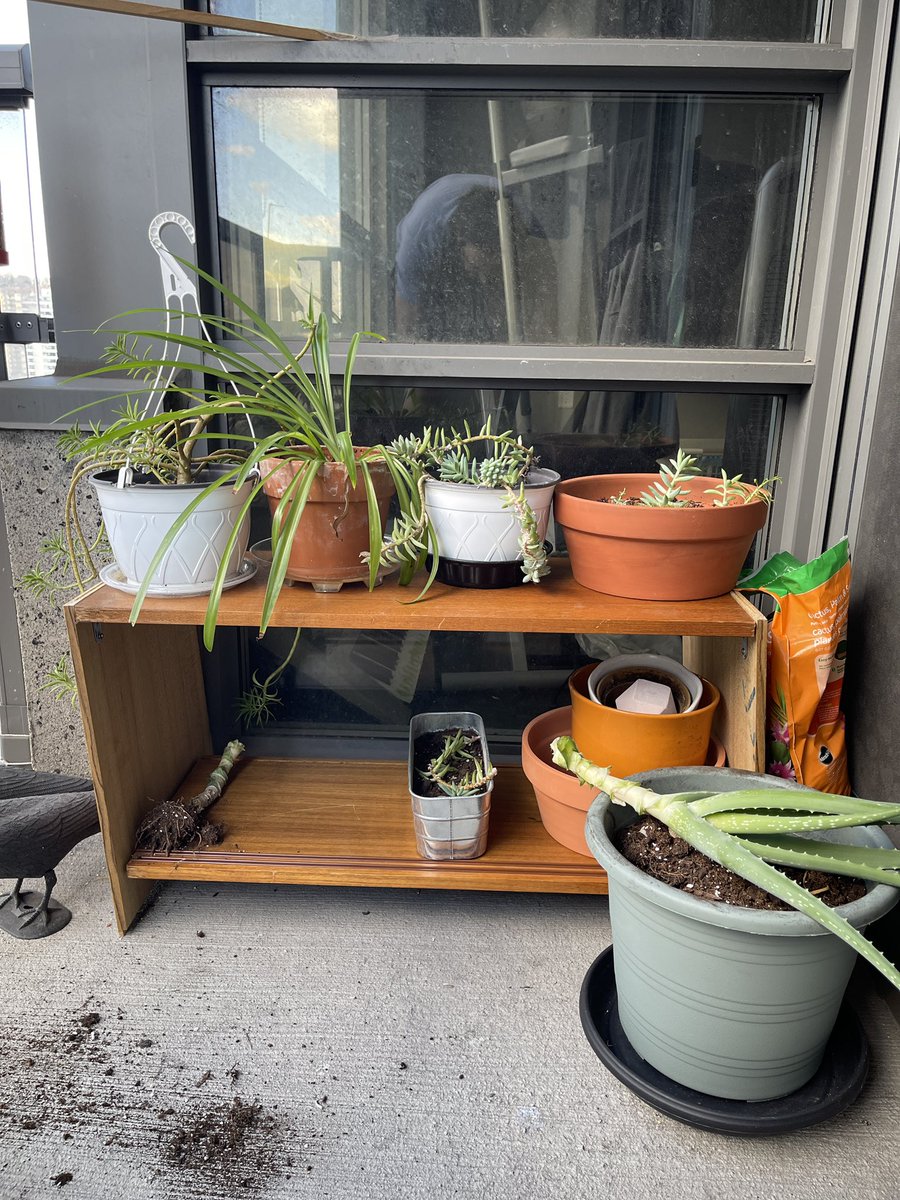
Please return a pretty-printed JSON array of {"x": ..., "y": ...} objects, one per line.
[
  {"x": 145, "y": 722},
  {"x": 738, "y": 667}
]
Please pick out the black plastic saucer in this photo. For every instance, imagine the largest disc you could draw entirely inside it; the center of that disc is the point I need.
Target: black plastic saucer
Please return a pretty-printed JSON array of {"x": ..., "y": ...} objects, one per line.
[
  {"x": 458, "y": 573},
  {"x": 833, "y": 1088}
]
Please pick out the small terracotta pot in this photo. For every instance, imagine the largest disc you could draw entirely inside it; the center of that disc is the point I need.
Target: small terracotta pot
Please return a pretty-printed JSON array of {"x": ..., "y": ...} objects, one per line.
[
  {"x": 646, "y": 553},
  {"x": 628, "y": 743},
  {"x": 563, "y": 801},
  {"x": 334, "y": 529}
]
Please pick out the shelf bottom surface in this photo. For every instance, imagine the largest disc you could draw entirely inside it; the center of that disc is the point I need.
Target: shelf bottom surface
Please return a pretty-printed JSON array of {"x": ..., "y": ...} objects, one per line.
[{"x": 350, "y": 824}]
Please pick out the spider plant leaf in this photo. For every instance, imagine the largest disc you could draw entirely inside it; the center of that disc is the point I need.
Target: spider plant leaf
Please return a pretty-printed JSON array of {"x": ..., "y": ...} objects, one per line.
[
  {"x": 215, "y": 595},
  {"x": 300, "y": 487},
  {"x": 375, "y": 529}
]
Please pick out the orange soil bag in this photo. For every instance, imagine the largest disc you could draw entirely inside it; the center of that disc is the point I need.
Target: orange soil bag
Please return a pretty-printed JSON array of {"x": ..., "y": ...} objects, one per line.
[{"x": 807, "y": 649}]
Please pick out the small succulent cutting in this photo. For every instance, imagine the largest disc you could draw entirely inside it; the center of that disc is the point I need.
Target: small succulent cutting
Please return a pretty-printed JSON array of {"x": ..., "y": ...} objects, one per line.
[
  {"x": 748, "y": 831},
  {"x": 480, "y": 459},
  {"x": 456, "y": 770},
  {"x": 669, "y": 491}
]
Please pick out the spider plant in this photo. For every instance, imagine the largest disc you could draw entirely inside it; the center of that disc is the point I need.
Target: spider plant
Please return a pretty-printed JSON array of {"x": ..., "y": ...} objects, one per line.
[
  {"x": 250, "y": 373},
  {"x": 749, "y": 831}
]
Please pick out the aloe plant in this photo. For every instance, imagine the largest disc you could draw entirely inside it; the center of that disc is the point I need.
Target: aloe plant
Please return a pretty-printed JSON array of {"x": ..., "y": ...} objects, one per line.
[{"x": 750, "y": 830}]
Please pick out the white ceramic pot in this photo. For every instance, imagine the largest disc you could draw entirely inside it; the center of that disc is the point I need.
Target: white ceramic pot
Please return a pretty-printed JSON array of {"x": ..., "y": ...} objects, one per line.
[
  {"x": 471, "y": 523},
  {"x": 138, "y": 517}
]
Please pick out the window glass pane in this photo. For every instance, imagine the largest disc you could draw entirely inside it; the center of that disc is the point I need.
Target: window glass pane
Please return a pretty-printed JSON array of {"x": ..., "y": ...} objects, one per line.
[
  {"x": 610, "y": 219},
  {"x": 24, "y": 268},
  {"x": 737, "y": 20},
  {"x": 367, "y": 683}
]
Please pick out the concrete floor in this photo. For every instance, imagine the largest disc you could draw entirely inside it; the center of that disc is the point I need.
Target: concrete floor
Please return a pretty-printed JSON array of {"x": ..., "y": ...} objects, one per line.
[{"x": 401, "y": 1044}]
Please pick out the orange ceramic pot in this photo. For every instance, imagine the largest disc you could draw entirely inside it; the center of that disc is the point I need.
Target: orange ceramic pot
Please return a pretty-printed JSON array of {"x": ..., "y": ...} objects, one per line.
[
  {"x": 334, "y": 529},
  {"x": 628, "y": 743},
  {"x": 654, "y": 553},
  {"x": 563, "y": 802}
]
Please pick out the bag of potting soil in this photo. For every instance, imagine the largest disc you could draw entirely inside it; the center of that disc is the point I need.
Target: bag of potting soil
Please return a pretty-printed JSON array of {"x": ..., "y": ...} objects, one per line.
[{"x": 807, "y": 647}]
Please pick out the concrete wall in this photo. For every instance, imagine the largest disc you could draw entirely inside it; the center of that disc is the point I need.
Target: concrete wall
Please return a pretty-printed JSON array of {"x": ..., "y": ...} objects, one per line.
[
  {"x": 34, "y": 479},
  {"x": 872, "y": 687}
]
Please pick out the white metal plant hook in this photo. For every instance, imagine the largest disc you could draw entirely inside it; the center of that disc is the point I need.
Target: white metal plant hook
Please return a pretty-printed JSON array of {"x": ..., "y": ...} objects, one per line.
[{"x": 181, "y": 304}]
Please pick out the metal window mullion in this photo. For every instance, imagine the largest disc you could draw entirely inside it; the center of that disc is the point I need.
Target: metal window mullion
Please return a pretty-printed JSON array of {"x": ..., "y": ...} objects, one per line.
[
  {"x": 845, "y": 178},
  {"x": 797, "y": 61},
  {"x": 547, "y": 366}
]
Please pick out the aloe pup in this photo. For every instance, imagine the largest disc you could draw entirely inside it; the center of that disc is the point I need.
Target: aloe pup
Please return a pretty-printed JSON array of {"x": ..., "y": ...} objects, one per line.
[{"x": 747, "y": 831}]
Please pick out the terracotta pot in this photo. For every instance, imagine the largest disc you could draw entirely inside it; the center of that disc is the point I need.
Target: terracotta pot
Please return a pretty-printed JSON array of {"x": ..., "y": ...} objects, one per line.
[
  {"x": 628, "y": 743},
  {"x": 334, "y": 529},
  {"x": 654, "y": 553},
  {"x": 563, "y": 802}
]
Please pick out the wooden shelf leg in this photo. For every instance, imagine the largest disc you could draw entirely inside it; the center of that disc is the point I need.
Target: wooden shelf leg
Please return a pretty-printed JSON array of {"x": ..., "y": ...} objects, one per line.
[
  {"x": 145, "y": 721},
  {"x": 737, "y": 666}
]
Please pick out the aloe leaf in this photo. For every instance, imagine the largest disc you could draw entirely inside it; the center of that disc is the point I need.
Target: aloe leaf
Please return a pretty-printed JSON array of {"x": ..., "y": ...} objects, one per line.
[
  {"x": 838, "y": 858},
  {"x": 783, "y": 799},
  {"x": 769, "y": 822}
]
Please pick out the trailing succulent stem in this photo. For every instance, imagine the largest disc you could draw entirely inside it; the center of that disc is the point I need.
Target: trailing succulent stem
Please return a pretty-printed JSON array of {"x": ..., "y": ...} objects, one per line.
[
  {"x": 767, "y": 820},
  {"x": 178, "y": 824}
]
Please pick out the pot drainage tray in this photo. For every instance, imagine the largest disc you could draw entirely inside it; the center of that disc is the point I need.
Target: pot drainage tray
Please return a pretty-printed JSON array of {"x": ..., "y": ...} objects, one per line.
[
  {"x": 111, "y": 575},
  {"x": 458, "y": 572},
  {"x": 833, "y": 1088}
]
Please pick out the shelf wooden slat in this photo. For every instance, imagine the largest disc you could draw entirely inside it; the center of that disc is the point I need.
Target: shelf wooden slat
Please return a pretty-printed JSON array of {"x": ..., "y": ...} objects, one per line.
[
  {"x": 350, "y": 824},
  {"x": 557, "y": 605}
]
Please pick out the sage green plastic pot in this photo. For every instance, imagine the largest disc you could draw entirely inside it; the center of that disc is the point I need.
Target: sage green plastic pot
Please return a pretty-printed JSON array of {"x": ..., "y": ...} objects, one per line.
[{"x": 734, "y": 1002}]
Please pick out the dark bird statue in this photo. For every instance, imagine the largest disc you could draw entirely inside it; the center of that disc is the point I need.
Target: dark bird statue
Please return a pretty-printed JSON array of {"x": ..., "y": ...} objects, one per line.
[{"x": 42, "y": 817}]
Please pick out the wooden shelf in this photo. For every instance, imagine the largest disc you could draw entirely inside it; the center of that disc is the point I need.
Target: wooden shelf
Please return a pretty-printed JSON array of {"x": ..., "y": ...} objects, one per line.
[
  {"x": 350, "y": 824},
  {"x": 557, "y": 605},
  {"x": 294, "y": 821}
]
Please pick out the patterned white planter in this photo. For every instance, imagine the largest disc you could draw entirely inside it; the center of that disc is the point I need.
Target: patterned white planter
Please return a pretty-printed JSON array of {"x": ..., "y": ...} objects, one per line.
[
  {"x": 138, "y": 517},
  {"x": 471, "y": 523}
]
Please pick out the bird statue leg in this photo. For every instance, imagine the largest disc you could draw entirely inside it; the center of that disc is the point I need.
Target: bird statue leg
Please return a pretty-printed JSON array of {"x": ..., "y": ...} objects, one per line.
[
  {"x": 41, "y": 910},
  {"x": 18, "y": 907}
]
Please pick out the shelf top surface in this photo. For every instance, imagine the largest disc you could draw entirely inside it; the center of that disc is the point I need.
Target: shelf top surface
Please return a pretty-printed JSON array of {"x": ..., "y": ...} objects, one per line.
[{"x": 557, "y": 605}]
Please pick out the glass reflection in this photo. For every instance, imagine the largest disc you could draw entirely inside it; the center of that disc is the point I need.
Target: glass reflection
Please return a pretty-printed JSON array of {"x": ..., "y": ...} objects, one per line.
[{"x": 612, "y": 220}]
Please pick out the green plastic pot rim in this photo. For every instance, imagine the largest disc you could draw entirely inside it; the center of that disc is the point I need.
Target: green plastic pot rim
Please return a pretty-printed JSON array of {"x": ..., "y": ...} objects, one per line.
[{"x": 859, "y": 913}]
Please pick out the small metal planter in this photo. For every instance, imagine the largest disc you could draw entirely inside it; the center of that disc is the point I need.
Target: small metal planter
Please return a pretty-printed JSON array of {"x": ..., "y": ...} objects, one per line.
[{"x": 449, "y": 827}]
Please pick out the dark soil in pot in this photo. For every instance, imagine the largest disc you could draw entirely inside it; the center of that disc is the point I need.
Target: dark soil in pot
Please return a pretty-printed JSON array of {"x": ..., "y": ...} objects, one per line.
[
  {"x": 430, "y": 745},
  {"x": 652, "y": 848}
]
